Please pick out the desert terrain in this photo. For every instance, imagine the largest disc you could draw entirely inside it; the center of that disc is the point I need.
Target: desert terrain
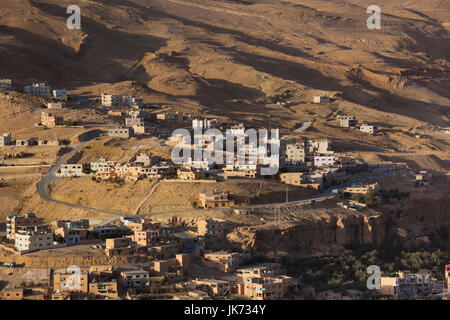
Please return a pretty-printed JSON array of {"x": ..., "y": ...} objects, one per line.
[{"x": 232, "y": 60}]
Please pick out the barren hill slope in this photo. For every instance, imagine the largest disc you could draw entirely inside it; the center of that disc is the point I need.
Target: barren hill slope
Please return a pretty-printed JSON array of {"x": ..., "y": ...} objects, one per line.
[{"x": 237, "y": 56}]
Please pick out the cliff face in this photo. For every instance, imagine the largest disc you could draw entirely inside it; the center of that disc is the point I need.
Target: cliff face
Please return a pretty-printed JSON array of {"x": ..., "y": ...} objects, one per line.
[
  {"x": 330, "y": 231},
  {"x": 411, "y": 227}
]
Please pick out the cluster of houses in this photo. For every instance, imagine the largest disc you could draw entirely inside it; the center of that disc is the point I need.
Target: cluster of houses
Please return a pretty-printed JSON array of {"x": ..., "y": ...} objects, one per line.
[
  {"x": 6, "y": 140},
  {"x": 40, "y": 89},
  {"x": 171, "y": 251},
  {"x": 310, "y": 163},
  {"x": 351, "y": 122}
]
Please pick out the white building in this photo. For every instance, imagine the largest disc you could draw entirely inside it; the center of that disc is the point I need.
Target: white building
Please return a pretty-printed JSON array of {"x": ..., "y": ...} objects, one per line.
[
  {"x": 71, "y": 170},
  {"x": 33, "y": 241},
  {"x": 133, "y": 101},
  {"x": 368, "y": 128},
  {"x": 5, "y": 139},
  {"x": 38, "y": 89},
  {"x": 403, "y": 284},
  {"x": 5, "y": 84},
  {"x": 202, "y": 124},
  {"x": 321, "y": 99},
  {"x": 110, "y": 100},
  {"x": 347, "y": 121},
  {"x": 196, "y": 164},
  {"x": 321, "y": 146},
  {"x": 146, "y": 159},
  {"x": 135, "y": 278},
  {"x": 324, "y": 161},
  {"x": 60, "y": 94},
  {"x": 101, "y": 162},
  {"x": 55, "y": 105},
  {"x": 120, "y": 132}
]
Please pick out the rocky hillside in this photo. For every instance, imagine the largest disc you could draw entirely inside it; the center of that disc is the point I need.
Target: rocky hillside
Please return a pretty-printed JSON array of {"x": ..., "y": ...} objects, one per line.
[{"x": 239, "y": 55}]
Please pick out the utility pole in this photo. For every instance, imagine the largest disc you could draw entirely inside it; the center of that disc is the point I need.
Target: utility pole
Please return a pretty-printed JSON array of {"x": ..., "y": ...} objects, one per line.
[{"x": 287, "y": 194}]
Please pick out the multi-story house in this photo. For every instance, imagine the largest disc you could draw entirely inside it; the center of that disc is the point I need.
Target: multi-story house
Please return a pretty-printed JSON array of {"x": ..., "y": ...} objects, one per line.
[
  {"x": 5, "y": 139},
  {"x": 120, "y": 132},
  {"x": 403, "y": 284},
  {"x": 324, "y": 161},
  {"x": 214, "y": 200},
  {"x": 112, "y": 100},
  {"x": 5, "y": 84},
  {"x": 59, "y": 94},
  {"x": 267, "y": 288},
  {"x": 38, "y": 89},
  {"x": 135, "y": 278},
  {"x": 71, "y": 170},
  {"x": 49, "y": 120},
  {"x": 347, "y": 121},
  {"x": 224, "y": 261},
  {"x": 15, "y": 222},
  {"x": 368, "y": 128},
  {"x": 31, "y": 241},
  {"x": 295, "y": 153},
  {"x": 212, "y": 228}
]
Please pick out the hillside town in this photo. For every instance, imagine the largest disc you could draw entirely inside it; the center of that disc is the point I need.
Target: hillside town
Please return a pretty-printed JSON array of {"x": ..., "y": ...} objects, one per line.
[{"x": 205, "y": 258}]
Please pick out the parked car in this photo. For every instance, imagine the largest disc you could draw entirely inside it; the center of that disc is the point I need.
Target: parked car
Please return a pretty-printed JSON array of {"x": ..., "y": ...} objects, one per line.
[{"x": 10, "y": 265}]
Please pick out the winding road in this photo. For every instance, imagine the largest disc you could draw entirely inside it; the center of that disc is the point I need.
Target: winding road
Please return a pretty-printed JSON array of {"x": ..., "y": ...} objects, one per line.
[{"x": 48, "y": 178}]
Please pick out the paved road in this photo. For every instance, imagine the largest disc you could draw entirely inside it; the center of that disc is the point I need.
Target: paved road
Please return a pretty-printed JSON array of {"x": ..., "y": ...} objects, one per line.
[
  {"x": 147, "y": 197},
  {"x": 50, "y": 177}
]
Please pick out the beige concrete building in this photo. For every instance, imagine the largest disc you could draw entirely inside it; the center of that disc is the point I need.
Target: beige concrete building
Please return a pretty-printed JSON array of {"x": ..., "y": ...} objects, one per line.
[
  {"x": 184, "y": 174},
  {"x": 213, "y": 286},
  {"x": 15, "y": 222},
  {"x": 362, "y": 189},
  {"x": 124, "y": 133},
  {"x": 223, "y": 261},
  {"x": 321, "y": 99},
  {"x": 295, "y": 153},
  {"x": 49, "y": 120},
  {"x": 239, "y": 173},
  {"x": 48, "y": 142},
  {"x": 263, "y": 270},
  {"x": 100, "y": 288},
  {"x": 71, "y": 170},
  {"x": 347, "y": 121},
  {"x": 112, "y": 100},
  {"x": 214, "y": 200},
  {"x": 403, "y": 284},
  {"x": 118, "y": 247},
  {"x": 368, "y": 128},
  {"x": 132, "y": 121},
  {"x": 12, "y": 294},
  {"x": 267, "y": 288},
  {"x": 135, "y": 278},
  {"x": 55, "y": 105},
  {"x": 71, "y": 282},
  {"x": 5, "y": 139},
  {"x": 33, "y": 241},
  {"x": 292, "y": 178},
  {"x": 212, "y": 228}
]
